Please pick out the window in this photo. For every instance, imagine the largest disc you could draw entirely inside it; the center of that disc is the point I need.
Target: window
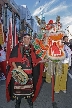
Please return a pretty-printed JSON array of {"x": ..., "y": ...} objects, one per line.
[
  {"x": 18, "y": 24},
  {"x": 9, "y": 15}
]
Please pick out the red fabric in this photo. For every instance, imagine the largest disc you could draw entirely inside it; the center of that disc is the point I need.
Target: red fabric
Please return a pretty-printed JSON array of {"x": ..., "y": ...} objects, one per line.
[
  {"x": 25, "y": 60},
  {"x": 15, "y": 36},
  {"x": 7, "y": 83},
  {"x": 8, "y": 50},
  {"x": 16, "y": 39},
  {"x": 35, "y": 61},
  {"x": 55, "y": 48},
  {"x": 3, "y": 67},
  {"x": 28, "y": 71},
  {"x": 50, "y": 22},
  {"x": 9, "y": 42},
  {"x": 39, "y": 83}
]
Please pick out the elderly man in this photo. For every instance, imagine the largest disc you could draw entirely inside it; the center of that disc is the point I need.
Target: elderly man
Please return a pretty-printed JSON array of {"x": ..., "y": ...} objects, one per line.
[{"x": 24, "y": 55}]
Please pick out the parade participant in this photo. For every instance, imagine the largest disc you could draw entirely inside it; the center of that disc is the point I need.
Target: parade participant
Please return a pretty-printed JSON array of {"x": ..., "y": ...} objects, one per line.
[
  {"x": 24, "y": 55},
  {"x": 3, "y": 62},
  {"x": 60, "y": 82},
  {"x": 67, "y": 47}
]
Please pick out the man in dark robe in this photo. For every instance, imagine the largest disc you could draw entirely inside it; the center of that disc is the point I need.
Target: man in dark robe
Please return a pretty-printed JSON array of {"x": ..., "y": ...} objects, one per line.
[{"x": 24, "y": 55}]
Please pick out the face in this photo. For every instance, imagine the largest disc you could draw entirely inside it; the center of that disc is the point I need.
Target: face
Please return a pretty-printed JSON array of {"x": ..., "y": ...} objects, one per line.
[
  {"x": 66, "y": 39},
  {"x": 26, "y": 40}
]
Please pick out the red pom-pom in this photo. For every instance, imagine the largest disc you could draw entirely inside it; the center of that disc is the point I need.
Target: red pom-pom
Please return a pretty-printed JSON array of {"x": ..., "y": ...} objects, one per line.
[{"x": 50, "y": 22}]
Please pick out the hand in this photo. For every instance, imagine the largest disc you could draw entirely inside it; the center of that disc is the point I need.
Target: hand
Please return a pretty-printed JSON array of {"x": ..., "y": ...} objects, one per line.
[
  {"x": 15, "y": 68},
  {"x": 19, "y": 67},
  {"x": 14, "y": 65}
]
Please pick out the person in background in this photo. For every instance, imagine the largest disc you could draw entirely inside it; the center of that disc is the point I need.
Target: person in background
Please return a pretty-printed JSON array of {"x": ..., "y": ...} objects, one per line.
[
  {"x": 2, "y": 63},
  {"x": 61, "y": 82},
  {"x": 70, "y": 41}
]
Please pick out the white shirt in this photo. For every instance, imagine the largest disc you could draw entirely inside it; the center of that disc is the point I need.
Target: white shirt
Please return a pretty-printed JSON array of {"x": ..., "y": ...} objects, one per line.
[
  {"x": 68, "y": 55},
  {"x": 2, "y": 55}
]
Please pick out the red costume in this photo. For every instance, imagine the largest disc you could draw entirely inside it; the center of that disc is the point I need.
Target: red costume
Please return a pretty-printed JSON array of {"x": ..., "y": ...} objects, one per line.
[{"x": 36, "y": 72}]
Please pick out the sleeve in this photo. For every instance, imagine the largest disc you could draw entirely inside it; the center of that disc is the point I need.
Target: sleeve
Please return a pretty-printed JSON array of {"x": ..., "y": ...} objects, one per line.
[
  {"x": 13, "y": 55},
  {"x": 69, "y": 61},
  {"x": 67, "y": 51},
  {"x": 35, "y": 58},
  {"x": 14, "y": 52}
]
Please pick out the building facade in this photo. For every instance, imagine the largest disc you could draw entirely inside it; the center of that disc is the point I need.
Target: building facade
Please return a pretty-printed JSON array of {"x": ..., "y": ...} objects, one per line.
[
  {"x": 26, "y": 20},
  {"x": 9, "y": 9},
  {"x": 21, "y": 17}
]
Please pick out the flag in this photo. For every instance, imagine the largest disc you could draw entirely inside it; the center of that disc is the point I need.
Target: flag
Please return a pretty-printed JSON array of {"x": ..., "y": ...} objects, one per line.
[
  {"x": 10, "y": 40},
  {"x": 15, "y": 36}
]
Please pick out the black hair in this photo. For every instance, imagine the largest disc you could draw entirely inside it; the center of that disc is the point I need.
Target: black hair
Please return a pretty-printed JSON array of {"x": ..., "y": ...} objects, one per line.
[
  {"x": 21, "y": 37},
  {"x": 65, "y": 37},
  {"x": 26, "y": 34}
]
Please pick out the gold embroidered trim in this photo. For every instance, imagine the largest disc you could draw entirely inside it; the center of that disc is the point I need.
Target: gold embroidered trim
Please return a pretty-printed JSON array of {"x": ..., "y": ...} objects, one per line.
[
  {"x": 23, "y": 87},
  {"x": 23, "y": 94}
]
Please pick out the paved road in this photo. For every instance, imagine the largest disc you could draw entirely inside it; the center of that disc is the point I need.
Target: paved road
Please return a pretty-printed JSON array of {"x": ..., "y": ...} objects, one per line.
[{"x": 44, "y": 98}]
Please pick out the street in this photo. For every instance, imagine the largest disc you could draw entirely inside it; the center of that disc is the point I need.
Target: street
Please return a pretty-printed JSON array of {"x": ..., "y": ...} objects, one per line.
[{"x": 44, "y": 99}]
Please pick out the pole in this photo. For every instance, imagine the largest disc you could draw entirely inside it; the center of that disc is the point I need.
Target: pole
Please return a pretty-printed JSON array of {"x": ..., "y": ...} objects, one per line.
[
  {"x": 53, "y": 88},
  {"x": 54, "y": 104}
]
